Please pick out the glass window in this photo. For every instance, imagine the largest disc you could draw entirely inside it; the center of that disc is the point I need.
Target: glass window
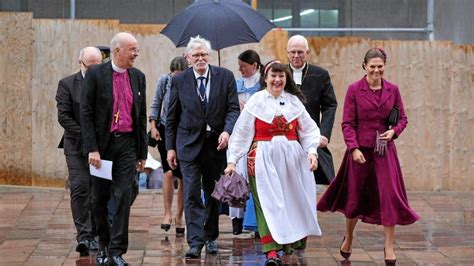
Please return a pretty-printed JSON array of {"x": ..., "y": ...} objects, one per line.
[
  {"x": 282, "y": 18},
  {"x": 329, "y": 18},
  {"x": 309, "y": 18}
]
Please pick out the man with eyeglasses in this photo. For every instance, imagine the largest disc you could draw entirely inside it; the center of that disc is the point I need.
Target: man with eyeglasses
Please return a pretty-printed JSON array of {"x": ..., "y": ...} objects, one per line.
[
  {"x": 203, "y": 108},
  {"x": 113, "y": 120},
  {"x": 68, "y": 98},
  {"x": 321, "y": 104}
]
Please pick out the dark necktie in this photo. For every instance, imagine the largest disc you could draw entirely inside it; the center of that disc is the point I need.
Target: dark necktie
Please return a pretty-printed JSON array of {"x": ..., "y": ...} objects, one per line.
[{"x": 202, "y": 91}]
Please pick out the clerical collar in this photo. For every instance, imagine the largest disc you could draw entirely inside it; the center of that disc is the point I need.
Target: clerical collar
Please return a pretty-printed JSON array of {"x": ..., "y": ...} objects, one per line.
[
  {"x": 252, "y": 80},
  {"x": 298, "y": 69},
  {"x": 116, "y": 68},
  {"x": 298, "y": 74},
  {"x": 197, "y": 75},
  {"x": 83, "y": 73}
]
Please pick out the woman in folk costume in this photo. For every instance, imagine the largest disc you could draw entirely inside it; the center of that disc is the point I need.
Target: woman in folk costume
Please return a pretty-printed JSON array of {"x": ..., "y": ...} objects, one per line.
[
  {"x": 282, "y": 138},
  {"x": 369, "y": 185},
  {"x": 250, "y": 67}
]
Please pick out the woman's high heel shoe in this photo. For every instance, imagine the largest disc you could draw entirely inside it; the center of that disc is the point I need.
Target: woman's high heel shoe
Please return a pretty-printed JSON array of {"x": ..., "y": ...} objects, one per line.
[
  {"x": 344, "y": 254},
  {"x": 388, "y": 261},
  {"x": 179, "y": 229},
  {"x": 166, "y": 227}
]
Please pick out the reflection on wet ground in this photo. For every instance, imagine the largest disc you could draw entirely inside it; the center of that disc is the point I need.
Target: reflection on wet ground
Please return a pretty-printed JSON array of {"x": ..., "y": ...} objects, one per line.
[{"x": 36, "y": 228}]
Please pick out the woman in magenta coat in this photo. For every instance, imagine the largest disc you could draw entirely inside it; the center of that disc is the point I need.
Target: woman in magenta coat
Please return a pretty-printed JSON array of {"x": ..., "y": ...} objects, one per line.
[{"x": 369, "y": 185}]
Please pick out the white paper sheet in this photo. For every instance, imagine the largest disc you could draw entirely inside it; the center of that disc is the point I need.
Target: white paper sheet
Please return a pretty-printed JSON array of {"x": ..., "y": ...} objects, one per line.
[{"x": 105, "y": 170}]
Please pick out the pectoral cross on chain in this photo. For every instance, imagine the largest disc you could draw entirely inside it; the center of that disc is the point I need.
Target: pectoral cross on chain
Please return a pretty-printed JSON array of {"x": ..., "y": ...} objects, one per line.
[{"x": 116, "y": 116}]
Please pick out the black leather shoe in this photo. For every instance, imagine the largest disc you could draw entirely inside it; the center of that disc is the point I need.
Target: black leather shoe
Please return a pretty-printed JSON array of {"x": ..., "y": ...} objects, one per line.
[
  {"x": 102, "y": 256},
  {"x": 237, "y": 224},
  {"x": 118, "y": 261},
  {"x": 93, "y": 245},
  {"x": 193, "y": 253},
  {"x": 211, "y": 247},
  {"x": 83, "y": 248},
  {"x": 273, "y": 261}
]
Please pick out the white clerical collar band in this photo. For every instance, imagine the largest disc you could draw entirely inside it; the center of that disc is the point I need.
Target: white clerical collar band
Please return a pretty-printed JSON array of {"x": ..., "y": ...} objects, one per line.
[
  {"x": 254, "y": 77},
  {"x": 117, "y": 69},
  {"x": 298, "y": 69}
]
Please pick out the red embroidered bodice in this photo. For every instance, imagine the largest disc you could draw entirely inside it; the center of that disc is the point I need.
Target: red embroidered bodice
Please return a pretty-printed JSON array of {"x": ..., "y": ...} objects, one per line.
[{"x": 279, "y": 126}]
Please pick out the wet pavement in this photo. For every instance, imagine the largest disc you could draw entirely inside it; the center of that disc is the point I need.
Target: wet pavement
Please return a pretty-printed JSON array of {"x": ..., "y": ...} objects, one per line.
[{"x": 36, "y": 228}]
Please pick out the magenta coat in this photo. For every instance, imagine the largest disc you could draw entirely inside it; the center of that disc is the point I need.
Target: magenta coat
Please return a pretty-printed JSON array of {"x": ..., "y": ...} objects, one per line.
[
  {"x": 363, "y": 115},
  {"x": 374, "y": 191}
]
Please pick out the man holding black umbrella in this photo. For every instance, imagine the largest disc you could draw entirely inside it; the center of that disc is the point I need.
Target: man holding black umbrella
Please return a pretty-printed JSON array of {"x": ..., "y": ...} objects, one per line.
[
  {"x": 203, "y": 108},
  {"x": 321, "y": 103}
]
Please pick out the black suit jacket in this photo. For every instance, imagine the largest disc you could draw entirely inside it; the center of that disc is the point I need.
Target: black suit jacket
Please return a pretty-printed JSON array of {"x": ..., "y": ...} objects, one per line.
[
  {"x": 187, "y": 118},
  {"x": 321, "y": 105},
  {"x": 97, "y": 104},
  {"x": 68, "y": 98}
]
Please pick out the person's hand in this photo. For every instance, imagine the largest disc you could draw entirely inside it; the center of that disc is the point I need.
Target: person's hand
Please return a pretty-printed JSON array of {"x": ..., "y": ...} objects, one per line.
[
  {"x": 230, "y": 169},
  {"x": 140, "y": 165},
  {"x": 223, "y": 141},
  {"x": 155, "y": 134},
  {"x": 94, "y": 159},
  {"x": 387, "y": 135},
  {"x": 357, "y": 156},
  {"x": 313, "y": 162},
  {"x": 324, "y": 142},
  {"x": 171, "y": 159}
]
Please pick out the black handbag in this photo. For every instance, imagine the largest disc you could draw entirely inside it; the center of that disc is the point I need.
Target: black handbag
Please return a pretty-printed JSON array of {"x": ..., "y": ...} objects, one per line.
[{"x": 393, "y": 118}]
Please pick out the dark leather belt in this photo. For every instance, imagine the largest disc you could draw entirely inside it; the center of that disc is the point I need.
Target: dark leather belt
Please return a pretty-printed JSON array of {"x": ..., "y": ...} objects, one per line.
[{"x": 122, "y": 134}]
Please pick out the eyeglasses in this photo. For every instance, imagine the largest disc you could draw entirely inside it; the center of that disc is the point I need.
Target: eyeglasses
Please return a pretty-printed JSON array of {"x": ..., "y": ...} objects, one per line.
[
  {"x": 203, "y": 55},
  {"x": 299, "y": 53},
  {"x": 134, "y": 50},
  {"x": 86, "y": 66}
]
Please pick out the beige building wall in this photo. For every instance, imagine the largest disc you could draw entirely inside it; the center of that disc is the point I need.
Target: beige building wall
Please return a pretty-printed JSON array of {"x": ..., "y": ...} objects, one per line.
[{"x": 435, "y": 79}]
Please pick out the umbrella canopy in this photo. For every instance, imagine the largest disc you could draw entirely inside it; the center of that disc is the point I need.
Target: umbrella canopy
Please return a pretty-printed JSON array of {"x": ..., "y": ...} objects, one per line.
[
  {"x": 231, "y": 189},
  {"x": 222, "y": 22}
]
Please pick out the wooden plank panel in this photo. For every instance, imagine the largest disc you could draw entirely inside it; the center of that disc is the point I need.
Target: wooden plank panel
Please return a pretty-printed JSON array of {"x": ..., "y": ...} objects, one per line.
[
  {"x": 56, "y": 52},
  {"x": 16, "y": 38},
  {"x": 435, "y": 79}
]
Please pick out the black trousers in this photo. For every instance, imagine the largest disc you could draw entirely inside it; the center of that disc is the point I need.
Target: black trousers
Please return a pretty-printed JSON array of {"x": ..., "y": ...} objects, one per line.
[
  {"x": 202, "y": 221},
  {"x": 80, "y": 185},
  {"x": 122, "y": 152}
]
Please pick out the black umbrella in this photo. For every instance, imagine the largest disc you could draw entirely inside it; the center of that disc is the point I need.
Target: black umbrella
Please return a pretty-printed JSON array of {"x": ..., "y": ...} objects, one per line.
[{"x": 223, "y": 22}]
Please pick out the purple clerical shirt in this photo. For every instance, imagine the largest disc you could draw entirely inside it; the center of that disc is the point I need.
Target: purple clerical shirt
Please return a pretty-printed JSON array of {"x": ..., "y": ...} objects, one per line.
[{"x": 123, "y": 101}]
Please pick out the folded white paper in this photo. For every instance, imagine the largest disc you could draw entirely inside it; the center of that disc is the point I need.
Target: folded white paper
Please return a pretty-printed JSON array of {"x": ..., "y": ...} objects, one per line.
[{"x": 105, "y": 170}]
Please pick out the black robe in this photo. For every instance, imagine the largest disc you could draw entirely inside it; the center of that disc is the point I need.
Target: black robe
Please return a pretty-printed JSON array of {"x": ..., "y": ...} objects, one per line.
[{"x": 321, "y": 105}]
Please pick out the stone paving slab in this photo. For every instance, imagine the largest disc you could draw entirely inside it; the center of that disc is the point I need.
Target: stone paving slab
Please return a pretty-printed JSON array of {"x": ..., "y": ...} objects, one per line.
[{"x": 36, "y": 228}]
